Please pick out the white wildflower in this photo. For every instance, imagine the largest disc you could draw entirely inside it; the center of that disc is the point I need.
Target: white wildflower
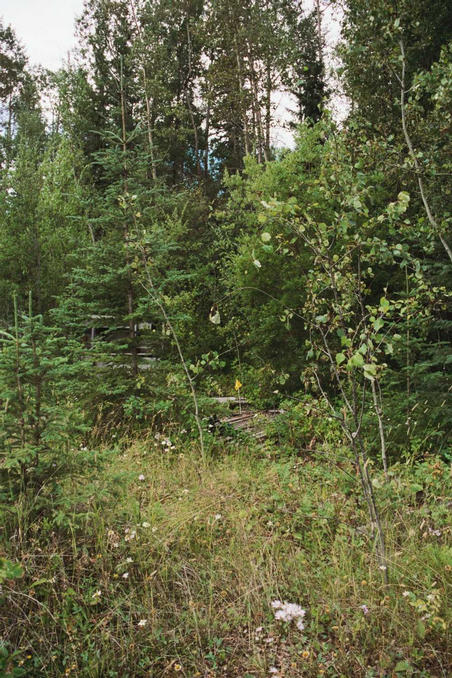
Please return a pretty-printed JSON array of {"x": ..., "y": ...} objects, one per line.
[
  {"x": 145, "y": 524},
  {"x": 130, "y": 535},
  {"x": 129, "y": 560},
  {"x": 125, "y": 575},
  {"x": 405, "y": 594},
  {"x": 218, "y": 516},
  {"x": 436, "y": 533},
  {"x": 365, "y": 609},
  {"x": 141, "y": 477},
  {"x": 288, "y": 612},
  {"x": 142, "y": 622},
  {"x": 97, "y": 594}
]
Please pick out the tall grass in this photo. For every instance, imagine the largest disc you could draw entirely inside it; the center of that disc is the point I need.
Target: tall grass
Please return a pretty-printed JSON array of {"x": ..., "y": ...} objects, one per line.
[{"x": 150, "y": 565}]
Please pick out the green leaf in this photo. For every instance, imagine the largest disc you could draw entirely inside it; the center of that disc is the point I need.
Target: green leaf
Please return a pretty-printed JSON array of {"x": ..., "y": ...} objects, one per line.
[
  {"x": 355, "y": 361},
  {"x": 39, "y": 582},
  {"x": 384, "y": 304},
  {"x": 378, "y": 324},
  {"x": 420, "y": 628},
  {"x": 403, "y": 197},
  {"x": 9, "y": 570},
  {"x": 322, "y": 318},
  {"x": 340, "y": 357},
  {"x": 370, "y": 371},
  {"x": 403, "y": 667}
]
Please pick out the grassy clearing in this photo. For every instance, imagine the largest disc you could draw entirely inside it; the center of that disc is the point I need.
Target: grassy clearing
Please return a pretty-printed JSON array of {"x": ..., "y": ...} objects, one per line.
[{"x": 149, "y": 565}]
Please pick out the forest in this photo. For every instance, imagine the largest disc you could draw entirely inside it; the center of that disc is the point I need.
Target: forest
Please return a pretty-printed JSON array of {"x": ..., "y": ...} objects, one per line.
[{"x": 225, "y": 330}]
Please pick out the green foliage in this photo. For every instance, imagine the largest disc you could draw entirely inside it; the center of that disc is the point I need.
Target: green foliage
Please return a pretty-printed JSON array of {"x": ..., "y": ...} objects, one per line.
[
  {"x": 173, "y": 254},
  {"x": 371, "y": 55},
  {"x": 305, "y": 425},
  {"x": 40, "y": 417}
]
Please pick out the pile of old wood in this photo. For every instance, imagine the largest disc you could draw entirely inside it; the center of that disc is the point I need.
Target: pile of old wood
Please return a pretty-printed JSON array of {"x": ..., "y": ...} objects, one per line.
[{"x": 244, "y": 419}]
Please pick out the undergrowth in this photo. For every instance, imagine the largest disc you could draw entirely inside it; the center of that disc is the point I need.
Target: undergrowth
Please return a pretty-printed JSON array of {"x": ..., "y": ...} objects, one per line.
[{"x": 149, "y": 564}]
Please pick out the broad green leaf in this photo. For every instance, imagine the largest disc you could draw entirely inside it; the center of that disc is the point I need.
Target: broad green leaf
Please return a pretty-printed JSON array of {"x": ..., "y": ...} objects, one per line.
[
  {"x": 370, "y": 371},
  {"x": 403, "y": 196},
  {"x": 356, "y": 361},
  {"x": 378, "y": 324},
  {"x": 340, "y": 357},
  {"x": 384, "y": 304}
]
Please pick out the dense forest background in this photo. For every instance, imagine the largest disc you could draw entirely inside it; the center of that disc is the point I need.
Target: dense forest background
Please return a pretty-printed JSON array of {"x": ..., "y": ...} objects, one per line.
[
  {"x": 153, "y": 155},
  {"x": 158, "y": 249}
]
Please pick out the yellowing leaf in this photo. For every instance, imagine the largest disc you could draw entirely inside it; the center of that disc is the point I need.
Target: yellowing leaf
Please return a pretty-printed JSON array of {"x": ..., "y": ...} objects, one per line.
[
  {"x": 214, "y": 316},
  {"x": 238, "y": 385}
]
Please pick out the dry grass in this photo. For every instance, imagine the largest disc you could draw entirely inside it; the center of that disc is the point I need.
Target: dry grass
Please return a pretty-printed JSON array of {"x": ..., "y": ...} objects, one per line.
[{"x": 212, "y": 548}]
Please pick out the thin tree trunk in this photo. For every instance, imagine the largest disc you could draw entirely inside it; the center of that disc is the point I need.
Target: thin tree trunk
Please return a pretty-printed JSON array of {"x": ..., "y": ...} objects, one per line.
[
  {"x": 261, "y": 151},
  {"x": 20, "y": 393},
  {"x": 243, "y": 111},
  {"x": 379, "y": 413},
  {"x": 268, "y": 112},
  {"x": 130, "y": 295},
  {"x": 319, "y": 31},
  {"x": 366, "y": 483},
  {"x": 206, "y": 151},
  {"x": 37, "y": 383},
  {"x": 188, "y": 101},
  {"x": 408, "y": 368},
  {"x": 146, "y": 98},
  {"x": 155, "y": 295}
]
